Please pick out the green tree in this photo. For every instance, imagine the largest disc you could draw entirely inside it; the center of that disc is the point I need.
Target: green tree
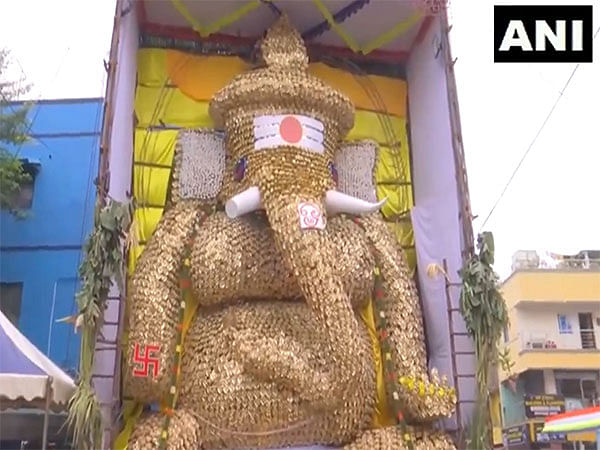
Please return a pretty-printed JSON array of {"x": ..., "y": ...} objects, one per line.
[{"x": 13, "y": 131}]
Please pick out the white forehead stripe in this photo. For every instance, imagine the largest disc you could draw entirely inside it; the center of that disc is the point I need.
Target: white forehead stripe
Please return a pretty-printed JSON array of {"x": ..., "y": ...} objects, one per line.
[
  {"x": 304, "y": 120},
  {"x": 288, "y": 130},
  {"x": 274, "y": 129}
]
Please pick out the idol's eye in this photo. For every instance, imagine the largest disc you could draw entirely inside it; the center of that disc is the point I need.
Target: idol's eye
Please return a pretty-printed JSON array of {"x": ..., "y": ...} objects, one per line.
[
  {"x": 334, "y": 172},
  {"x": 288, "y": 130},
  {"x": 240, "y": 169}
]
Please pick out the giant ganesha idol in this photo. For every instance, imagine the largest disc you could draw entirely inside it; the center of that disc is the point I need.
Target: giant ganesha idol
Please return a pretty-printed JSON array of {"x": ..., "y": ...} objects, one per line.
[{"x": 308, "y": 327}]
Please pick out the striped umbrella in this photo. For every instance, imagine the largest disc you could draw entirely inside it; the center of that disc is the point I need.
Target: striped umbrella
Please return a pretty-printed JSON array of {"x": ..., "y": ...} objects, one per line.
[
  {"x": 587, "y": 419},
  {"x": 579, "y": 420}
]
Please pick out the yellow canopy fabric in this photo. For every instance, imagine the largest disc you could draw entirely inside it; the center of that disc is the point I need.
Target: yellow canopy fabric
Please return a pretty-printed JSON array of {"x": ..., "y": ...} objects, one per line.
[
  {"x": 146, "y": 220},
  {"x": 150, "y": 185},
  {"x": 382, "y": 128},
  {"x": 154, "y": 146},
  {"x": 160, "y": 67},
  {"x": 368, "y": 92},
  {"x": 185, "y": 71},
  {"x": 160, "y": 106},
  {"x": 393, "y": 165},
  {"x": 152, "y": 67}
]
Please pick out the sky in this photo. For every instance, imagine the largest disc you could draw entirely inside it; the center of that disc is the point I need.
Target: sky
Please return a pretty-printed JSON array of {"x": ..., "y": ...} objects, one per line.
[
  {"x": 552, "y": 204},
  {"x": 39, "y": 35}
]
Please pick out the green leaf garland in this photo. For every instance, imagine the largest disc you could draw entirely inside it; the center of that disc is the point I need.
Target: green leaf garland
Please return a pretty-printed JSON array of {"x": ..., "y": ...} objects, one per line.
[
  {"x": 485, "y": 315},
  {"x": 103, "y": 263}
]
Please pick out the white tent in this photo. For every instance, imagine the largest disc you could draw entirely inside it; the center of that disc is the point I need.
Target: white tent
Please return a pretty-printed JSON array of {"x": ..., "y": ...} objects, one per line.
[{"x": 27, "y": 377}]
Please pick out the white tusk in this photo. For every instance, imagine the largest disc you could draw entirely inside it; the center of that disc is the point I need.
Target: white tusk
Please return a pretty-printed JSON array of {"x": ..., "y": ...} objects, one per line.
[
  {"x": 337, "y": 202},
  {"x": 243, "y": 203}
]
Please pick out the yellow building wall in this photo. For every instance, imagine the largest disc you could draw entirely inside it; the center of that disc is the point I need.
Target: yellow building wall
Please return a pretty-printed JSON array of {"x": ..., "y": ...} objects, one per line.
[
  {"x": 552, "y": 285},
  {"x": 554, "y": 360},
  {"x": 534, "y": 300}
]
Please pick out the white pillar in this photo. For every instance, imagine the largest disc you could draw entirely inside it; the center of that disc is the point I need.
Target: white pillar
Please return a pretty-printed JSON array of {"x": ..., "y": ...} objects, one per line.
[{"x": 549, "y": 382}]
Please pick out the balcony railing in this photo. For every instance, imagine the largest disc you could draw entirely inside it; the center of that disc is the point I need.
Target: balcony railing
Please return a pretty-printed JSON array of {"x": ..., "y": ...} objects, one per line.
[
  {"x": 542, "y": 340},
  {"x": 588, "y": 339},
  {"x": 593, "y": 264},
  {"x": 529, "y": 259},
  {"x": 537, "y": 340}
]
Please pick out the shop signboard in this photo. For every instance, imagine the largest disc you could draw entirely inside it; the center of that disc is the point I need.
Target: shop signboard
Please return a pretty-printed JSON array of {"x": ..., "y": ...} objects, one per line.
[
  {"x": 515, "y": 436},
  {"x": 538, "y": 437},
  {"x": 543, "y": 405}
]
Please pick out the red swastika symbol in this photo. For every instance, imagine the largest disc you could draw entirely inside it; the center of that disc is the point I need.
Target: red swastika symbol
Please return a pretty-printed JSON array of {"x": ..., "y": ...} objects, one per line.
[{"x": 145, "y": 360}]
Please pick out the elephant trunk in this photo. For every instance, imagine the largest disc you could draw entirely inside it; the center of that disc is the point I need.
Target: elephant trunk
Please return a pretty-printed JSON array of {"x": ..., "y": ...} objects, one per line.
[{"x": 298, "y": 223}]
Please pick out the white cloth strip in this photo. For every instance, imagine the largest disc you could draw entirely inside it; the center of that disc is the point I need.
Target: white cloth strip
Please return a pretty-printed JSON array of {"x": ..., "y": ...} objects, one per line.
[
  {"x": 277, "y": 118},
  {"x": 273, "y": 129}
]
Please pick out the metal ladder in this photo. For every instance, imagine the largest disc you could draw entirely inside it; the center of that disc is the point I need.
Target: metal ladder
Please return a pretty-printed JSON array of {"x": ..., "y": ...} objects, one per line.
[
  {"x": 453, "y": 334},
  {"x": 106, "y": 377}
]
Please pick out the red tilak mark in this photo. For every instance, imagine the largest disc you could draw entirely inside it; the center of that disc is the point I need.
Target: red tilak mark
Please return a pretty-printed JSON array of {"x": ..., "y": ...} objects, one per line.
[
  {"x": 185, "y": 283},
  {"x": 179, "y": 326},
  {"x": 378, "y": 293},
  {"x": 383, "y": 334},
  {"x": 290, "y": 130},
  {"x": 168, "y": 412},
  {"x": 175, "y": 369},
  {"x": 146, "y": 360},
  {"x": 392, "y": 376},
  {"x": 400, "y": 416}
]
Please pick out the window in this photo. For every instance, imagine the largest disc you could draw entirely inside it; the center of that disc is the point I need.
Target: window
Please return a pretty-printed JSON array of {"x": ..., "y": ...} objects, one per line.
[
  {"x": 585, "y": 390},
  {"x": 564, "y": 326},
  {"x": 586, "y": 330},
  {"x": 23, "y": 199},
  {"x": 10, "y": 301},
  {"x": 534, "y": 382}
]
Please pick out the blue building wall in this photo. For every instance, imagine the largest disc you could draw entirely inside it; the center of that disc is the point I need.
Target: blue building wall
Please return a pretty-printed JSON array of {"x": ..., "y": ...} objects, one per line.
[{"x": 44, "y": 250}]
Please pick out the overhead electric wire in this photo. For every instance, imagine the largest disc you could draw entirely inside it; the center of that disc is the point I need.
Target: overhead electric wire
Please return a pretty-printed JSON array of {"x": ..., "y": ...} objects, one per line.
[
  {"x": 37, "y": 110},
  {"x": 90, "y": 180},
  {"x": 533, "y": 141}
]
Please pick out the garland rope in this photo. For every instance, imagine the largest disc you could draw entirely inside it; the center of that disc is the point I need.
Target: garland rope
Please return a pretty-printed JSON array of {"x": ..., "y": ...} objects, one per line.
[
  {"x": 185, "y": 286},
  {"x": 392, "y": 386},
  {"x": 379, "y": 41},
  {"x": 103, "y": 263},
  {"x": 207, "y": 30}
]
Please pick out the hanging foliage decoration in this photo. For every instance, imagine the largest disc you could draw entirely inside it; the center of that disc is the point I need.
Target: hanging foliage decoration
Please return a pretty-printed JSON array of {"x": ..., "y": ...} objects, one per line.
[
  {"x": 103, "y": 263},
  {"x": 485, "y": 315}
]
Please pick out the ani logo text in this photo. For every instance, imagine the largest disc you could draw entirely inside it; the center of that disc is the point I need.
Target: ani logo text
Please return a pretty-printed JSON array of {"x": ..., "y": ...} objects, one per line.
[{"x": 527, "y": 34}]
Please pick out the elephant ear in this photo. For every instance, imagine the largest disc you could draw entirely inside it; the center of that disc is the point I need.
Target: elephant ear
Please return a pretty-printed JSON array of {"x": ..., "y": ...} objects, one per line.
[
  {"x": 199, "y": 165},
  {"x": 355, "y": 163}
]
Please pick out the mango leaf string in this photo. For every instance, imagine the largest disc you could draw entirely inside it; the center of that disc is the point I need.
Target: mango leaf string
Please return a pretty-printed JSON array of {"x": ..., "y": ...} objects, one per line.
[
  {"x": 103, "y": 262},
  {"x": 486, "y": 316}
]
